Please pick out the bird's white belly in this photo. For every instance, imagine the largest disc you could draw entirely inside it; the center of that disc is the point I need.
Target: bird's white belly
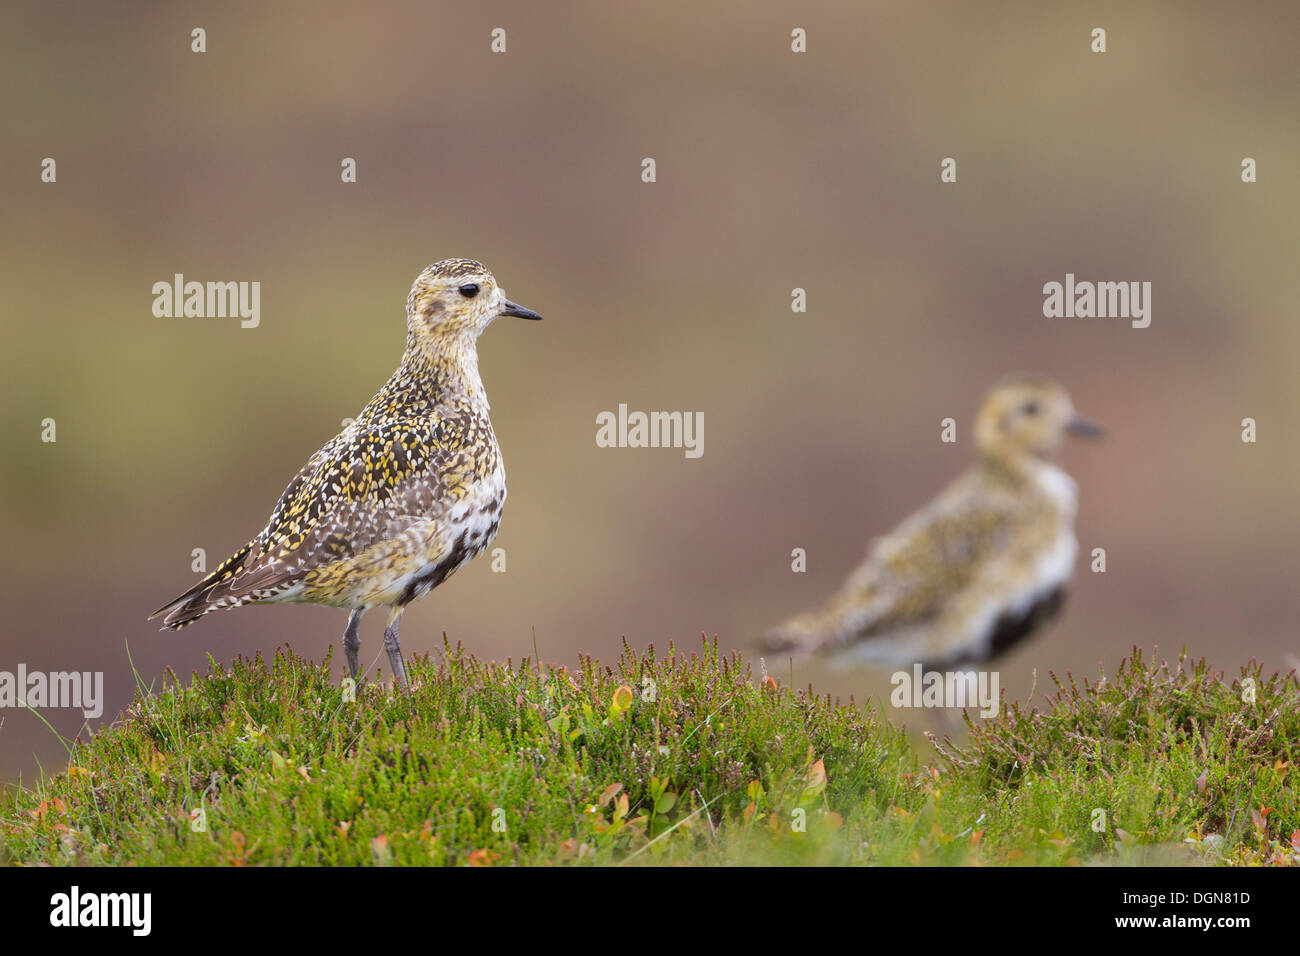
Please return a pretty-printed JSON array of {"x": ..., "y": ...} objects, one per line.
[
  {"x": 463, "y": 532},
  {"x": 1049, "y": 572},
  {"x": 969, "y": 630}
]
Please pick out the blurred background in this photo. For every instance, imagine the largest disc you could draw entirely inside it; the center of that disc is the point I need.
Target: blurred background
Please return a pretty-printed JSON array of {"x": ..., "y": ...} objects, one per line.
[{"x": 775, "y": 170}]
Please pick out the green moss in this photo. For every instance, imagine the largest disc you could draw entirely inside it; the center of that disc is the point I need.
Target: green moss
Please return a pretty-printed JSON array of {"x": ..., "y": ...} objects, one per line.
[{"x": 661, "y": 759}]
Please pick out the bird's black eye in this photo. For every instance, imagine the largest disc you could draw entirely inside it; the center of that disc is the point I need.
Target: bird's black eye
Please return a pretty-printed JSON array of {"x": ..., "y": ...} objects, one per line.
[
  {"x": 1030, "y": 408},
  {"x": 469, "y": 290}
]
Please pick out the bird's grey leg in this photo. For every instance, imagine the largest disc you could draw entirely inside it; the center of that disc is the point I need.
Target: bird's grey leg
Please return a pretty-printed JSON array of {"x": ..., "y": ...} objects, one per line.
[
  {"x": 393, "y": 648},
  {"x": 352, "y": 643}
]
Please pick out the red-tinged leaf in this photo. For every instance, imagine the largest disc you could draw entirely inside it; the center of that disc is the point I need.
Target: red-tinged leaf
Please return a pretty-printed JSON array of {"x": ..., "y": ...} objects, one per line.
[
  {"x": 608, "y": 794},
  {"x": 817, "y": 775},
  {"x": 815, "y": 782},
  {"x": 1260, "y": 820},
  {"x": 240, "y": 857}
]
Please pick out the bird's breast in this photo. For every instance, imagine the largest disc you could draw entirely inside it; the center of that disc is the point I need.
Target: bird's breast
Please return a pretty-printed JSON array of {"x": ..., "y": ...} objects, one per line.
[{"x": 1059, "y": 488}]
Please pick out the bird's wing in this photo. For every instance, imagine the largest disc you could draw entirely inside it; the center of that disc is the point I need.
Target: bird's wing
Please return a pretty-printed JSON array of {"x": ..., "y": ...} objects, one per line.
[
  {"x": 370, "y": 483},
  {"x": 198, "y": 600},
  {"x": 373, "y": 483},
  {"x": 909, "y": 575}
]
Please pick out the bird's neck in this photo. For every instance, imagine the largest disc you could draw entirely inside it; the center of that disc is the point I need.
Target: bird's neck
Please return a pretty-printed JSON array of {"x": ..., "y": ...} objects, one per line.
[
  {"x": 1028, "y": 472},
  {"x": 439, "y": 372},
  {"x": 1006, "y": 467},
  {"x": 448, "y": 367}
]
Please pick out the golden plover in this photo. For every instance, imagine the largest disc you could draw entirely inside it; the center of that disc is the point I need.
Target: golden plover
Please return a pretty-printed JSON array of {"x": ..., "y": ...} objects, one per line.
[
  {"x": 977, "y": 569},
  {"x": 402, "y": 497}
]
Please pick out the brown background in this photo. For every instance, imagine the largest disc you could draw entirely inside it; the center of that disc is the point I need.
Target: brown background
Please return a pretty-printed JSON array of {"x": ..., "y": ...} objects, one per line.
[{"x": 775, "y": 170}]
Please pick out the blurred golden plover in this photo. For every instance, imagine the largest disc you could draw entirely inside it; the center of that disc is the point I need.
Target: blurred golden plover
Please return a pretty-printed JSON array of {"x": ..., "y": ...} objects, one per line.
[
  {"x": 975, "y": 570},
  {"x": 402, "y": 497}
]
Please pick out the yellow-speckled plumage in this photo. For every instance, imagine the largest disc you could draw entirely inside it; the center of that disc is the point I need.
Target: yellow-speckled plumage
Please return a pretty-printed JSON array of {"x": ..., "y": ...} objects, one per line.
[
  {"x": 403, "y": 496},
  {"x": 978, "y": 568}
]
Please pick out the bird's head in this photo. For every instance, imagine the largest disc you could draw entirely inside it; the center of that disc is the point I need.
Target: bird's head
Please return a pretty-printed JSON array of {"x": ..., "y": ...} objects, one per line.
[
  {"x": 454, "y": 299},
  {"x": 1027, "y": 415}
]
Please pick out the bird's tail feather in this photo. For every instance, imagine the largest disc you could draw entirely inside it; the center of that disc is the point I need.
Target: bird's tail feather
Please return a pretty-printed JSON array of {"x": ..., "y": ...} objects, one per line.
[
  {"x": 796, "y": 637},
  {"x": 200, "y": 599}
]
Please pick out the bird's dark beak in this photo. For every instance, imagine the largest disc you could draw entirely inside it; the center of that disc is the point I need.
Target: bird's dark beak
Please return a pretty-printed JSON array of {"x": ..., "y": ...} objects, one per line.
[
  {"x": 509, "y": 308},
  {"x": 1084, "y": 428}
]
